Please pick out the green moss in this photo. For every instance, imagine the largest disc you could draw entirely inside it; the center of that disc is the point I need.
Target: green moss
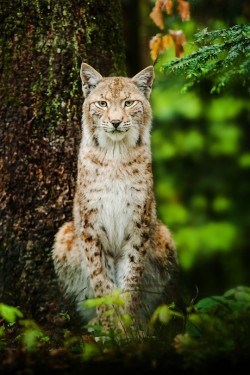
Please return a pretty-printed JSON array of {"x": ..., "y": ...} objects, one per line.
[{"x": 46, "y": 41}]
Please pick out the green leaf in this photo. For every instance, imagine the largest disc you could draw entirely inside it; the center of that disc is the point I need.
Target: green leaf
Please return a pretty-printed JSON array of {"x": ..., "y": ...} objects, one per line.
[
  {"x": 240, "y": 294},
  {"x": 164, "y": 314},
  {"x": 126, "y": 320},
  {"x": 90, "y": 351},
  {"x": 30, "y": 339},
  {"x": 117, "y": 298},
  {"x": 10, "y": 313},
  {"x": 209, "y": 303}
]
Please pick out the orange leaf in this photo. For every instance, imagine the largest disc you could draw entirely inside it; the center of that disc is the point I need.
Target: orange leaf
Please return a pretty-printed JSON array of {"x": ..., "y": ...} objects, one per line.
[
  {"x": 179, "y": 40},
  {"x": 184, "y": 10},
  {"x": 169, "y": 6},
  {"x": 166, "y": 40},
  {"x": 156, "y": 14},
  {"x": 158, "y": 44},
  {"x": 155, "y": 46}
]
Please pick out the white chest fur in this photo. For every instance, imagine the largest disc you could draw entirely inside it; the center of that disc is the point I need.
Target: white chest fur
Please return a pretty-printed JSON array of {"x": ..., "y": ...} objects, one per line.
[
  {"x": 115, "y": 193},
  {"x": 116, "y": 211}
]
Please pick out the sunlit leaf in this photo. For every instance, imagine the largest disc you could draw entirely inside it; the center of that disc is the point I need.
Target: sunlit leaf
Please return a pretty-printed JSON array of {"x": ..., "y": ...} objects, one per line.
[
  {"x": 166, "y": 41},
  {"x": 30, "y": 339},
  {"x": 10, "y": 313},
  {"x": 117, "y": 298},
  {"x": 164, "y": 314},
  {"x": 89, "y": 351},
  {"x": 155, "y": 46},
  {"x": 158, "y": 44}
]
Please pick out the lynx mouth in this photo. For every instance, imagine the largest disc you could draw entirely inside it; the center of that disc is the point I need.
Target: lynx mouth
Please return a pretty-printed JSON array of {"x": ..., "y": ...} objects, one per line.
[
  {"x": 116, "y": 131},
  {"x": 116, "y": 135}
]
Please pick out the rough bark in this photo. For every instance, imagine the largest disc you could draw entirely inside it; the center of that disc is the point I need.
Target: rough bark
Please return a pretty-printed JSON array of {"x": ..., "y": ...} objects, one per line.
[{"x": 42, "y": 44}]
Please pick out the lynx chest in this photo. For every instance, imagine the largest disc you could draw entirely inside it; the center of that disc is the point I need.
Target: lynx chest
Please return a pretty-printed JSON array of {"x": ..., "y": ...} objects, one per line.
[{"x": 117, "y": 194}]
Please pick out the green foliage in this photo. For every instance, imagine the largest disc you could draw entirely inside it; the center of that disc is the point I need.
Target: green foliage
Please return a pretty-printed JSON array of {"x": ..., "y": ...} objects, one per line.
[
  {"x": 210, "y": 237},
  {"x": 10, "y": 313},
  {"x": 46, "y": 41},
  {"x": 30, "y": 334},
  {"x": 201, "y": 162},
  {"x": 121, "y": 325},
  {"x": 117, "y": 298},
  {"x": 164, "y": 314},
  {"x": 213, "y": 329},
  {"x": 221, "y": 54},
  {"x": 217, "y": 327},
  {"x": 90, "y": 351}
]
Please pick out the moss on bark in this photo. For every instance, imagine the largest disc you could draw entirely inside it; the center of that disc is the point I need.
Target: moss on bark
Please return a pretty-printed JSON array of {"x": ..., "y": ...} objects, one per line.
[{"x": 42, "y": 45}]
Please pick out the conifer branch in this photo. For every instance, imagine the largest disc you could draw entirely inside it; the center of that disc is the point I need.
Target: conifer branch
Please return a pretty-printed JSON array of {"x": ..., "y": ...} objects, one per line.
[{"x": 222, "y": 56}]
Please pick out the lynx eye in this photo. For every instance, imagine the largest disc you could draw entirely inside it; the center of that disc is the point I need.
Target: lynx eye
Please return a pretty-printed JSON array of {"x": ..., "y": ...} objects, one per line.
[
  {"x": 102, "y": 104},
  {"x": 129, "y": 103}
]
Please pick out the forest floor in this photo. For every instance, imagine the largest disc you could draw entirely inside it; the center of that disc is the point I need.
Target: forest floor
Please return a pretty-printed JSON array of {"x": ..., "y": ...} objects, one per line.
[
  {"x": 71, "y": 350},
  {"x": 63, "y": 354},
  {"x": 212, "y": 334}
]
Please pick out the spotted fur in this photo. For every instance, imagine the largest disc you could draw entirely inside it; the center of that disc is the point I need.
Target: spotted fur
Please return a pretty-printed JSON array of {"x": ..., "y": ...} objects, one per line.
[{"x": 115, "y": 239}]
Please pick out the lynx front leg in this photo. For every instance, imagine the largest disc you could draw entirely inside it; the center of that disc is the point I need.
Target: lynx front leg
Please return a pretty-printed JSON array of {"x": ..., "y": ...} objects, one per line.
[
  {"x": 131, "y": 268},
  {"x": 136, "y": 250},
  {"x": 99, "y": 280}
]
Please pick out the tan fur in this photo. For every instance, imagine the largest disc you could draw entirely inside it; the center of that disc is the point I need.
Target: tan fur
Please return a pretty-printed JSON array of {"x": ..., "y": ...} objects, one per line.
[{"x": 115, "y": 239}]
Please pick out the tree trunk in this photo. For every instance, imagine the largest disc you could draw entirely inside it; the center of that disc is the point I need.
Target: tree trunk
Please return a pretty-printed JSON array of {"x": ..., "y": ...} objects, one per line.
[{"x": 42, "y": 45}]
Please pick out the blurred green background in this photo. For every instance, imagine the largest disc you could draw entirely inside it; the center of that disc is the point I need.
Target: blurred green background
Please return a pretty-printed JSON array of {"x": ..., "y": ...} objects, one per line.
[{"x": 201, "y": 161}]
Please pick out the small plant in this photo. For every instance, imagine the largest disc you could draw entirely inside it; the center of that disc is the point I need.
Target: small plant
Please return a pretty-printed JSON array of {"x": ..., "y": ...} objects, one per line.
[
  {"x": 9, "y": 313},
  {"x": 216, "y": 327},
  {"x": 31, "y": 335},
  {"x": 121, "y": 322},
  {"x": 164, "y": 314}
]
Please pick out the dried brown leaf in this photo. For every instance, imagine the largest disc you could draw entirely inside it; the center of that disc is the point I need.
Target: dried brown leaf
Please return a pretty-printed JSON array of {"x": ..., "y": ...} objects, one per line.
[
  {"x": 156, "y": 14},
  {"x": 158, "y": 44},
  {"x": 166, "y": 40},
  {"x": 179, "y": 40},
  {"x": 155, "y": 46},
  {"x": 184, "y": 10},
  {"x": 169, "y": 4}
]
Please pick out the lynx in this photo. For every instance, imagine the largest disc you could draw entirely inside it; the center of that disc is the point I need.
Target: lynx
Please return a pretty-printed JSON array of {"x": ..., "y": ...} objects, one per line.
[{"x": 115, "y": 240}]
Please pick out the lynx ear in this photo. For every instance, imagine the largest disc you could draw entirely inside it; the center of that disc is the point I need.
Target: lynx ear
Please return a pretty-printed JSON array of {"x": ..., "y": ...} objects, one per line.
[
  {"x": 144, "y": 80},
  {"x": 90, "y": 78}
]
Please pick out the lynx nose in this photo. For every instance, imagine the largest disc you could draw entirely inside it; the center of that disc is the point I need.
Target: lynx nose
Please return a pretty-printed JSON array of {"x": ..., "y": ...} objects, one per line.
[{"x": 115, "y": 123}]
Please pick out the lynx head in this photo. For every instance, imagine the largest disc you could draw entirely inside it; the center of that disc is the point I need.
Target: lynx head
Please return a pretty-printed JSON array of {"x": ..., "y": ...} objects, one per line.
[{"x": 116, "y": 110}]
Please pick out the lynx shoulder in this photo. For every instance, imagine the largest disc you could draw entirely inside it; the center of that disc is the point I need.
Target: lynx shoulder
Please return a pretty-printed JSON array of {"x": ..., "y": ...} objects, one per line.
[{"x": 115, "y": 239}]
